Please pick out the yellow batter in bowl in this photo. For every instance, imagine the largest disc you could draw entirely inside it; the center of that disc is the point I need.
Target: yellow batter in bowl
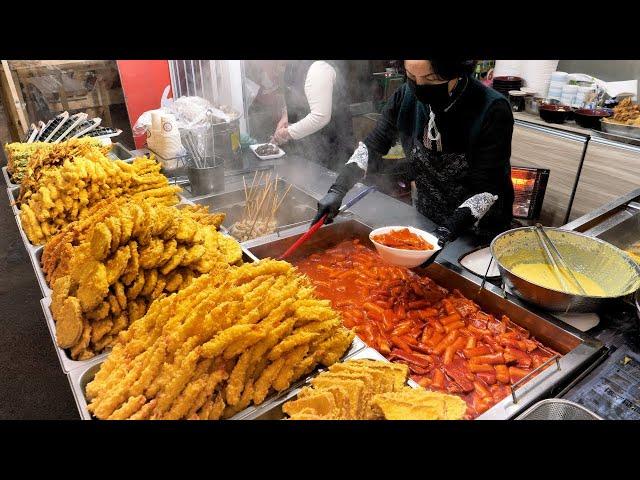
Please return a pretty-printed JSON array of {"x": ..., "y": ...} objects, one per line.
[{"x": 557, "y": 279}]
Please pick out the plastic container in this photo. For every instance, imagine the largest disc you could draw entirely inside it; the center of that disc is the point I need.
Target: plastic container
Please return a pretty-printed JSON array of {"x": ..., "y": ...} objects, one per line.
[{"x": 561, "y": 77}]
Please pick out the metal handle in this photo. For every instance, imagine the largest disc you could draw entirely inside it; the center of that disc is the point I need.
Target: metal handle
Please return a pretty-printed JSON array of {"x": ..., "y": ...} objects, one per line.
[
  {"x": 547, "y": 240},
  {"x": 564, "y": 264},
  {"x": 356, "y": 198},
  {"x": 282, "y": 228},
  {"x": 634, "y": 205},
  {"x": 551, "y": 260},
  {"x": 484, "y": 278},
  {"x": 524, "y": 379},
  {"x": 556, "y": 132}
]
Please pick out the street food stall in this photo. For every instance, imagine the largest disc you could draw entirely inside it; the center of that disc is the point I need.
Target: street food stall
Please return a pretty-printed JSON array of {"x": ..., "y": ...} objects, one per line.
[{"x": 164, "y": 302}]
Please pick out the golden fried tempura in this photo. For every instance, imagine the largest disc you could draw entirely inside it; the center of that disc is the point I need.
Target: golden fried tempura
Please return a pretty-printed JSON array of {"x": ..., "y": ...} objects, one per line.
[
  {"x": 419, "y": 404},
  {"x": 69, "y": 179},
  {"x": 206, "y": 352},
  {"x": 120, "y": 261},
  {"x": 352, "y": 385}
]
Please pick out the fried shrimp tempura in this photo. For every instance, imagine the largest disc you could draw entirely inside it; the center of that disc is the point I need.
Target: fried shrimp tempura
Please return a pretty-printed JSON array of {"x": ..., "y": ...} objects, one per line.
[{"x": 217, "y": 337}]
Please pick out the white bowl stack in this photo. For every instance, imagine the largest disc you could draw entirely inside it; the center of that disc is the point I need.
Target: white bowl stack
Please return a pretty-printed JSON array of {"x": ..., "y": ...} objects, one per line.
[{"x": 537, "y": 75}]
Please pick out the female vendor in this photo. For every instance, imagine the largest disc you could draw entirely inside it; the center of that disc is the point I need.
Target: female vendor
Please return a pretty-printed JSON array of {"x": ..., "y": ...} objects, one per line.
[{"x": 456, "y": 134}]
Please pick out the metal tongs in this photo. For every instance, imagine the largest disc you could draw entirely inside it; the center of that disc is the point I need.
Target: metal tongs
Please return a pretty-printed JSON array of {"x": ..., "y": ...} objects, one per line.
[
  {"x": 546, "y": 243},
  {"x": 316, "y": 226}
]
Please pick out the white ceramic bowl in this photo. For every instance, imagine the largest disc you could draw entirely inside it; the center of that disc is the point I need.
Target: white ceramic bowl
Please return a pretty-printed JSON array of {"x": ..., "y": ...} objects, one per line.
[{"x": 404, "y": 258}]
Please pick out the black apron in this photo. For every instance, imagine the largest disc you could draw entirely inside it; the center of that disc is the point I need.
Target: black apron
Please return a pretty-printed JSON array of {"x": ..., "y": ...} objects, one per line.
[
  {"x": 440, "y": 187},
  {"x": 439, "y": 178},
  {"x": 333, "y": 145}
]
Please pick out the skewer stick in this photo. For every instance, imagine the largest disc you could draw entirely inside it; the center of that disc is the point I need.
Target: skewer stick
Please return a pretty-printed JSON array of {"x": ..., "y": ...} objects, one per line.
[
  {"x": 283, "y": 197},
  {"x": 244, "y": 183},
  {"x": 256, "y": 219}
]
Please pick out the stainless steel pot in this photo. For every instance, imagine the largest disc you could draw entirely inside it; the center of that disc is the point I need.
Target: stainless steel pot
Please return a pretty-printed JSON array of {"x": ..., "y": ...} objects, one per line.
[
  {"x": 227, "y": 142},
  {"x": 609, "y": 266}
]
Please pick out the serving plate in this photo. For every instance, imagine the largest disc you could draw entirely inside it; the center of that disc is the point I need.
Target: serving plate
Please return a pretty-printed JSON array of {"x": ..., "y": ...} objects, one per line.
[{"x": 266, "y": 157}]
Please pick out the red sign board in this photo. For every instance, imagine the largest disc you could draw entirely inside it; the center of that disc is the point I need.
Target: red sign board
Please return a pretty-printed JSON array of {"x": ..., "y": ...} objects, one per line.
[{"x": 143, "y": 82}]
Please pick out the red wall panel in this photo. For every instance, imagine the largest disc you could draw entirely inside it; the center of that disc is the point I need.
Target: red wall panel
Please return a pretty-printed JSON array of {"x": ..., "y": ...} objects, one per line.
[{"x": 143, "y": 82}]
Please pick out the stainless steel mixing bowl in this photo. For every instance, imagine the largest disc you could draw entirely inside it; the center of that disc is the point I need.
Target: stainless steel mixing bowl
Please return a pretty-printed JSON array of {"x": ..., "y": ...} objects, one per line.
[{"x": 607, "y": 265}]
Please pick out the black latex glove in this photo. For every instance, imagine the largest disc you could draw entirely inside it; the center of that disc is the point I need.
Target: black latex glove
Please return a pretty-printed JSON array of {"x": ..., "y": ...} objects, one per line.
[
  {"x": 461, "y": 221},
  {"x": 444, "y": 235},
  {"x": 329, "y": 204}
]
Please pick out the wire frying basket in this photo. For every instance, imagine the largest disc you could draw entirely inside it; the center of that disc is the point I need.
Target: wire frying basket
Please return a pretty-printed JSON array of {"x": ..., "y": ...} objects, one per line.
[{"x": 558, "y": 409}]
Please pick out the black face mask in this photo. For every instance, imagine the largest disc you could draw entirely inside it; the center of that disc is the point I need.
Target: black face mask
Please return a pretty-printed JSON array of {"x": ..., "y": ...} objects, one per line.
[{"x": 436, "y": 96}]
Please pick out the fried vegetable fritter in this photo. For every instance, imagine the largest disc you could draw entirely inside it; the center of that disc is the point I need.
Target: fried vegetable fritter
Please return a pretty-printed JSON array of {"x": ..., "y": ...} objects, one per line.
[{"x": 119, "y": 262}]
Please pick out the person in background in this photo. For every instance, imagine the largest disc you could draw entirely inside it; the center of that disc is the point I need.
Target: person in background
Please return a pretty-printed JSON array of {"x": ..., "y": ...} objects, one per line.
[
  {"x": 316, "y": 119},
  {"x": 456, "y": 134}
]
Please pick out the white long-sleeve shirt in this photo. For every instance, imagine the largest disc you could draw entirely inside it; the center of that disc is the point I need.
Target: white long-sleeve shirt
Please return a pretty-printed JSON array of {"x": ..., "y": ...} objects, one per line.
[{"x": 318, "y": 88}]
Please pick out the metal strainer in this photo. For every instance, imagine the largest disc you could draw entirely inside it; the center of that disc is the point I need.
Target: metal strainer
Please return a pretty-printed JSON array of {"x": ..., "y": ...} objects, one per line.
[{"x": 557, "y": 409}]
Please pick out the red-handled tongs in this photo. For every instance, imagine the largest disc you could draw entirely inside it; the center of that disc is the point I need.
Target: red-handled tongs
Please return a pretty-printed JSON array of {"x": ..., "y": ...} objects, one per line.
[{"x": 316, "y": 226}]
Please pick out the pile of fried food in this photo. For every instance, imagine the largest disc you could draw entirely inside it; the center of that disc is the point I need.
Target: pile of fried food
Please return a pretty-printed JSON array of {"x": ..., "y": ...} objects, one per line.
[
  {"x": 106, "y": 269},
  {"x": 447, "y": 341},
  {"x": 24, "y": 160},
  {"x": 66, "y": 184},
  {"x": 18, "y": 155},
  {"x": 366, "y": 389},
  {"x": 626, "y": 113},
  {"x": 225, "y": 341}
]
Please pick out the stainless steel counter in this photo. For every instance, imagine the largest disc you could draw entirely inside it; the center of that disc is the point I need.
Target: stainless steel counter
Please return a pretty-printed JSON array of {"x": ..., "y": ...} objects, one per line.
[{"x": 376, "y": 209}]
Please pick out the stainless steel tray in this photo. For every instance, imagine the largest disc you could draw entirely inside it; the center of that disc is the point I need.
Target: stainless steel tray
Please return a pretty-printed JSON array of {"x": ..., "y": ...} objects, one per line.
[
  {"x": 273, "y": 410},
  {"x": 616, "y": 137},
  {"x": 66, "y": 362},
  {"x": 298, "y": 208},
  {"x": 36, "y": 257},
  {"x": 119, "y": 152},
  {"x": 617, "y": 224},
  {"x": 622, "y": 130},
  {"x": 576, "y": 348},
  {"x": 7, "y": 178},
  {"x": 13, "y": 193},
  {"x": 558, "y": 409},
  {"x": 80, "y": 377}
]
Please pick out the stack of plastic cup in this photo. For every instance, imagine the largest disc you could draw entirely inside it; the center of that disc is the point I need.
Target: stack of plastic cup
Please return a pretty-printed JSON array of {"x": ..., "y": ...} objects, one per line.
[
  {"x": 569, "y": 93},
  {"x": 153, "y": 134},
  {"x": 558, "y": 81},
  {"x": 582, "y": 95},
  {"x": 170, "y": 144}
]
